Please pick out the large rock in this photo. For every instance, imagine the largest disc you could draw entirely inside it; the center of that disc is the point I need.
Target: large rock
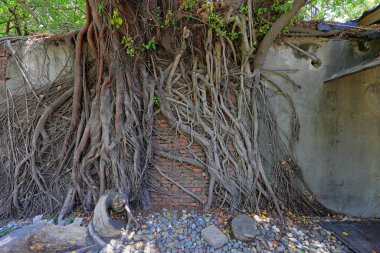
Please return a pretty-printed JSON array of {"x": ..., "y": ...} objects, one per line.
[
  {"x": 214, "y": 236},
  {"x": 44, "y": 237},
  {"x": 244, "y": 228}
]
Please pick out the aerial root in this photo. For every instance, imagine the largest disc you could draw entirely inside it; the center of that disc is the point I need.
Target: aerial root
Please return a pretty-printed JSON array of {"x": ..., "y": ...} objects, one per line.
[{"x": 91, "y": 141}]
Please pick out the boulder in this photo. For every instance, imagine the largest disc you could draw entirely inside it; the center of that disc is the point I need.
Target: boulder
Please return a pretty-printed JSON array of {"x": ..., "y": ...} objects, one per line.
[
  {"x": 244, "y": 228},
  {"x": 214, "y": 236},
  {"x": 44, "y": 237}
]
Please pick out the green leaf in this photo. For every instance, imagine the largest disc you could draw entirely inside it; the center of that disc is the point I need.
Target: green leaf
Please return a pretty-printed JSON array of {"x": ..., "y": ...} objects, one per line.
[
  {"x": 100, "y": 8},
  {"x": 118, "y": 21}
]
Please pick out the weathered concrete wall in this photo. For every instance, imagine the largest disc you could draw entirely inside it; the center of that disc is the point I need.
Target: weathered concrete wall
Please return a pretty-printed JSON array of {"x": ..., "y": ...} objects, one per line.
[
  {"x": 339, "y": 136},
  {"x": 349, "y": 125},
  {"x": 43, "y": 62}
]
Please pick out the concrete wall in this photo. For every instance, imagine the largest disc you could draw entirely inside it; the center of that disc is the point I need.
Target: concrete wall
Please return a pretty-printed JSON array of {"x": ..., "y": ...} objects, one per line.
[
  {"x": 339, "y": 136},
  {"x": 43, "y": 61},
  {"x": 348, "y": 132}
]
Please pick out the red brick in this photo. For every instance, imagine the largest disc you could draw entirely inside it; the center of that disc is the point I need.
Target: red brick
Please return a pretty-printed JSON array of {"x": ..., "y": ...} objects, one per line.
[{"x": 189, "y": 176}]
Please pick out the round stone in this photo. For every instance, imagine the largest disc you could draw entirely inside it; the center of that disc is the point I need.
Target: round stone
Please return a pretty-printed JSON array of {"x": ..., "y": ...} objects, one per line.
[{"x": 244, "y": 228}]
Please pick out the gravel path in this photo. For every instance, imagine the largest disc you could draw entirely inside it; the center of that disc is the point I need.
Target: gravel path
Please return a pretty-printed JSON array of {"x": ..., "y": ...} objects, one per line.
[{"x": 180, "y": 231}]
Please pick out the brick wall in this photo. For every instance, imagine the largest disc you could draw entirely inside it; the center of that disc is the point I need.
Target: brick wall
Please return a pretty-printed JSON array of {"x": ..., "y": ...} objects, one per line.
[
  {"x": 166, "y": 193},
  {"x": 3, "y": 64}
]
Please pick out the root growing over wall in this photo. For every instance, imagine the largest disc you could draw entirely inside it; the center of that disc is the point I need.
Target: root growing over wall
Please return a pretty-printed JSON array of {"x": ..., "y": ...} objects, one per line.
[{"x": 93, "y": 132}]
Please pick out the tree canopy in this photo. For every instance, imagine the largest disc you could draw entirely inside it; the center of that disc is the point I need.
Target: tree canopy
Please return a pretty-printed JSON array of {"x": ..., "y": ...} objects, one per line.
[
  {"x": 337, "y": 10},
  {"x": 23, "y": 17}
]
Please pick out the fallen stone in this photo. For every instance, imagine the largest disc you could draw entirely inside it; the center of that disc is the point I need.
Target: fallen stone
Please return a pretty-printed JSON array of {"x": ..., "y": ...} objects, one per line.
[
  {"x": 244, "y": 228},
  {"x": 214, "y": 236},
  {"x": 37, "y": 219},
  {"x": 44, "y": 237}
]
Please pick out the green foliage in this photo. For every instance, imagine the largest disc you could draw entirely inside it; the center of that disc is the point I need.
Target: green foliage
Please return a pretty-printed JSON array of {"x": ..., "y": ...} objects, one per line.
[
  {"x": 336, "y": 10},
  {"x": 70, "y": 219},
  {"x": 216, "y": 23},
  {"x": 150, "y": 45},
  {"x": 234, "y": 35},
  {"x": 128, "y": 45},
  {"x": 188, "y": 4},
  {"x": 264, "y": 29},
  {"x": 57, "y": 16},
  {"x": 100, "y": 8},
  {"x": 54, "y": 218},
  {"x": 6, "y": 231},
  {"x": 157, "y": 13},
  {"x": 169, "y": 19},
  {"x": 116, "y": 20},
  {"x": 244, "y": 10},
  {"x": 281, "y": 7},
  {"x": 261, "y": 11},
  {"x": 156, "y": 101},
  {"x": 40, "y": 16}
]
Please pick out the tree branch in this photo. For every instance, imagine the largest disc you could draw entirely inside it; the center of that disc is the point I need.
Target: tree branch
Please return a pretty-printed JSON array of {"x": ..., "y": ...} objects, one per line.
[{"x": 275, "y": 30}]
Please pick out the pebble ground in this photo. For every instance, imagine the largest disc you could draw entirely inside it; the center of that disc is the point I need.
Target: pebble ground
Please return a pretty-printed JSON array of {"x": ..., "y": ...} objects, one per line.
[{"x": 180, "y": 231}]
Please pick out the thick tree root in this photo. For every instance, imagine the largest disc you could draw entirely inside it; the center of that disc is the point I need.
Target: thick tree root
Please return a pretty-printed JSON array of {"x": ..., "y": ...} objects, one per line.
[
  {"x": 99, "y": 241},
  {"x": 103, "y": 225}
]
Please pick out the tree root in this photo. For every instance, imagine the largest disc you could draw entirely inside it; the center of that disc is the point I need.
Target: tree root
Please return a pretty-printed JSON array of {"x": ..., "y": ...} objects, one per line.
[
  {"x": 103, "y": 225},
  {"x": 181, "y": 187},
  {"x": 211, "y": 91},
  {"x": 99, "y": 241}
]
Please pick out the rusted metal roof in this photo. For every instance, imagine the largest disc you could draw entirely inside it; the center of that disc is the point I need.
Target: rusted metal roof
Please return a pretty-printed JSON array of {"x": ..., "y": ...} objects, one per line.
[
  {"x": 348, "y": 71},
  {"x": 370, "y": 17}
]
